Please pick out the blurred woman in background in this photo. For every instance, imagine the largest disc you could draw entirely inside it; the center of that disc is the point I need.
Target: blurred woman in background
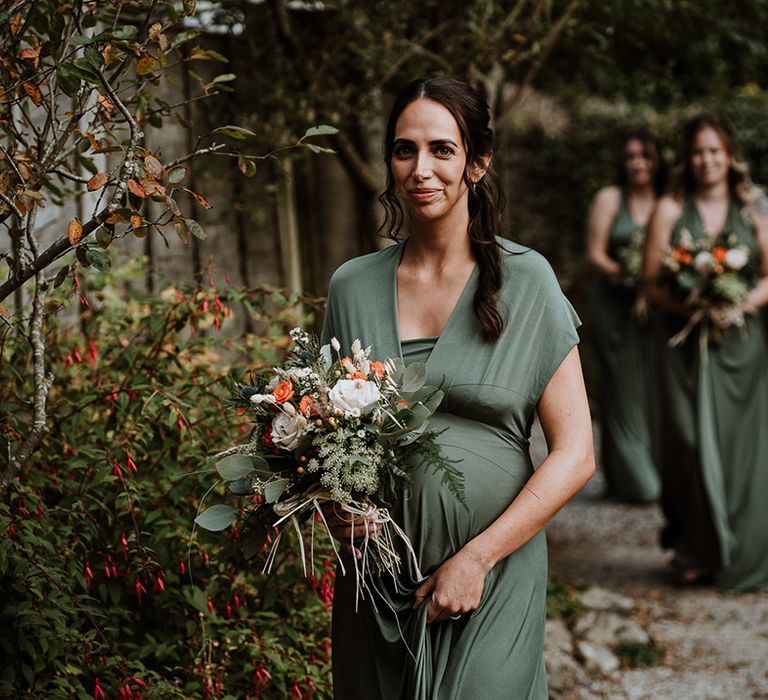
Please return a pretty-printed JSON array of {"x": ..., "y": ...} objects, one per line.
[
  {"x": 714, "y": 383},
  {"x": 615, "y": 233}
]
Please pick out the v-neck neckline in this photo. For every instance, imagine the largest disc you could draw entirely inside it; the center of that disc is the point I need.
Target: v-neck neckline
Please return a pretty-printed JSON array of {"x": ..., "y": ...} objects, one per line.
[
  {"x": 700, "y": 219},
  {"x": 397, "y": 258}
]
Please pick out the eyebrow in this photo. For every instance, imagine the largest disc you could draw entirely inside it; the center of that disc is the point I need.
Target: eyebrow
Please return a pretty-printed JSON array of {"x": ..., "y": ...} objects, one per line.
[{"x": 435, "y": 142}]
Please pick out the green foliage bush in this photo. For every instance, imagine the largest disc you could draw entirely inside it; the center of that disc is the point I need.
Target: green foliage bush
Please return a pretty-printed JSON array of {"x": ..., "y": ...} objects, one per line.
[{"x": 105, "y": 589}]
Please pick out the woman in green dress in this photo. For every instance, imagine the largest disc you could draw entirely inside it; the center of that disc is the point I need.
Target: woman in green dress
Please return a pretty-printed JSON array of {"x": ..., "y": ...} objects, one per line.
[
  {"x": 615, "y": 231},
  {"x": 495, "y": 330},
  {"x": 715, "y": 442}
]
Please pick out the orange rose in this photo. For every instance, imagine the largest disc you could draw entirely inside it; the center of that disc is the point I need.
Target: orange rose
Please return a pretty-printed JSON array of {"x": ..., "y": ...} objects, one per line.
[
  {"x": 402, "y": 403},
  {"x": 359, "y": 375},
  {"x": 719, "y": 254},
  {"x": 306, "y": 407},
  {"x": 378, "y": 367},
  {"x": 283, "y": 391}
]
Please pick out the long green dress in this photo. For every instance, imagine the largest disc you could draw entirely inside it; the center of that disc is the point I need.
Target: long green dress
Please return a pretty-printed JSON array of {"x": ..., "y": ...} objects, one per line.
[
  {"x": 385, "y": 650},
  {"x": 715, "y": 441},
  {"x": 625, "y": 349}
]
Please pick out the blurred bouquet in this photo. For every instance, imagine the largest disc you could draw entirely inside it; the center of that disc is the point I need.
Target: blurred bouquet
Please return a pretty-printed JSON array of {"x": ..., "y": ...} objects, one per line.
[
  {"x": 713, "y": 278},
  {"x": 344, "y": 431},
  {"x": 630, "y": 259}
]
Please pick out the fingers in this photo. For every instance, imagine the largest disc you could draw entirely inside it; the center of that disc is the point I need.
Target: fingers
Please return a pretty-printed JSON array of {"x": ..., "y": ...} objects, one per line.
[{"x": 423, "y": 591}]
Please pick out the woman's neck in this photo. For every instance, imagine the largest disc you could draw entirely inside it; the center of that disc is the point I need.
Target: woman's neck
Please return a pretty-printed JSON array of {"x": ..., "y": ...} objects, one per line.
[
  {"x": 713, "y": 193},
  {"x": 439, "y": 243},
  {"x": 641, "y": 192}
]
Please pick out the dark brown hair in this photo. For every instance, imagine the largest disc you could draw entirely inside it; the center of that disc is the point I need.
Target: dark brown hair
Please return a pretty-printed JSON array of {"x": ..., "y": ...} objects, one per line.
[
  {"x": 470, "y": 110},
  {"x": 739, "y": 183},
  {"x": 651, "y": 151}
]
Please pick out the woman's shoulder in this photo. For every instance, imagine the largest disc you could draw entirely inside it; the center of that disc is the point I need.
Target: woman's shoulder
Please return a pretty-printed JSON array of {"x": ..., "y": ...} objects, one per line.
[
  {"x": 363, "y": 268},
  {"x": 524, "y": 263},
  {"x": 669, "y": 208},
  {"x": 608, "y": 197}
]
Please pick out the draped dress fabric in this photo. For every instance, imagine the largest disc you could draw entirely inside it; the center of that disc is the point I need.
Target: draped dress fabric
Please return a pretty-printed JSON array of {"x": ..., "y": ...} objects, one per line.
[
  {"x": 626, "y": 352},
  {"x": 385, "y": 649},
  {"x": 715, "y": 441}
]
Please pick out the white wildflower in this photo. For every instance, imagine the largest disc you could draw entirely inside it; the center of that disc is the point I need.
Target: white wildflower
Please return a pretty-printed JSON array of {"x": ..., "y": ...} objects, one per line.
[
  {"x": 263, "y": 398},
  {"x": 335, "y": 344}
]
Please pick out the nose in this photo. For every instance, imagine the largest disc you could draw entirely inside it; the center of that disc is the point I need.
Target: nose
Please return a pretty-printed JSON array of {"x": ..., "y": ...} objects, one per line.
[{"x": 422, "y": 168}]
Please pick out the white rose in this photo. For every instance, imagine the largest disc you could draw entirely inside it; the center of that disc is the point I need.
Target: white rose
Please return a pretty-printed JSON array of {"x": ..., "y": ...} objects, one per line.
[
  {"x": 352, "y": 395},
  {"x": 736, "y": 258},
  {"x": 703, "y": 261},
  {"x": 287, "y": 430}
]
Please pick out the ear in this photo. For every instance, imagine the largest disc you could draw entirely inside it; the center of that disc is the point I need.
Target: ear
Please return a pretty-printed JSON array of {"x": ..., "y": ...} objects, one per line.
[{"x": 480, "y": 168}]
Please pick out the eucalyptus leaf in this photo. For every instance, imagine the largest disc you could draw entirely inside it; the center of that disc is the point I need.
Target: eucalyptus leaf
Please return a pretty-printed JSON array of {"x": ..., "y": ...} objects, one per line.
[
  {"x": 325, "y": 354},
  {"x": 218, "y": 517},
  {"x": 414, "y": 377},
  {"x": 241, "y": 487},
  {"x": 234, "y": 467},
  {"x": 274, "y": 489}
]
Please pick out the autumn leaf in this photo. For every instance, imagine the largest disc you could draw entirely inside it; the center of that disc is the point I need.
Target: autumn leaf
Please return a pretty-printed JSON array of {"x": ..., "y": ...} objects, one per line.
[
  {"x": 136, "y": 221},
  {"x": 173, "y": 206},
  {"x": 176, "y": 175},
  {"x": 114, "y": 218},
  {"x": 145, "y": 65},
  {"x": 74, "y": 232},
  {"x": 135, "y": 188},
  {"x": 181, "y": 231},
  {"x": 154, "y": 166},
  {"x": 34, "y": 92},
  {"x": 202, "y": 201},
  {"x": 4, "y": 312},
  {"x": 97, "y": 182},
  {"x": 195, "y": 229},
  {"x": 31, "y": 54},
  {"x": 15, "y": 24}
]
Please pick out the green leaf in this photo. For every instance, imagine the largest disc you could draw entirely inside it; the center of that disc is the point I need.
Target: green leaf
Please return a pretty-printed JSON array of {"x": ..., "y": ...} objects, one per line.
[
  {"x": 80, "y": 40},
  {"x": 234, "y": 467},
  {"x": 61, "y": 275},
  {"x": 223, "y": 78},
  {"x": 218, "y": 517},
  {"x": 183, "y": 37},
  {"x": 414, "y": 377},
  {"x": 235, "y": 132},
  {"x": 103, "y": 237},
  {"x": 126, "y": 31},
  {"x": 317, "y": 149},
  {"x": 94, "y": 57},
  {"x": 195, "y": 229},
  {"x": 176, "y": 175},
  {"x": 189, "y": 7},
  {"x": 321, "y": 130},
  {"x": 246, "y": 165},
  {"x": 98, "y": 259},
  {"x": 274, "y": 489}
]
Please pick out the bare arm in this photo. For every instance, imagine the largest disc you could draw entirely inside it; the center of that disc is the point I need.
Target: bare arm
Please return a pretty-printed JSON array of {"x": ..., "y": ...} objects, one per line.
[
  {"x": 656, "y": 241},
  {"x": 601, "y": 215},
  {"x": 759, "y": 295},
  {"x": 457, "y": 585}
]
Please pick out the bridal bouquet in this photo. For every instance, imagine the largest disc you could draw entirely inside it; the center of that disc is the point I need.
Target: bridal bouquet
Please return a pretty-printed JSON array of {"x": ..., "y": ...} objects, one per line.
[
  {"x": 713, "y": 278},
  {"x": 630, "y": 259},
  {"x": 335, "y": 429}
]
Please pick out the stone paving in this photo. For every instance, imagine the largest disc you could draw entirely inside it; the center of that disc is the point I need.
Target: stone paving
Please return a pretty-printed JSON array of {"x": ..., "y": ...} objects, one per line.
[{"x": 716, "y": 642}]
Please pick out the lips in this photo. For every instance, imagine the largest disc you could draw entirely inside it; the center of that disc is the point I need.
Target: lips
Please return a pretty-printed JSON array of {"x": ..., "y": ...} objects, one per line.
[{"x": 423, "y": 195}]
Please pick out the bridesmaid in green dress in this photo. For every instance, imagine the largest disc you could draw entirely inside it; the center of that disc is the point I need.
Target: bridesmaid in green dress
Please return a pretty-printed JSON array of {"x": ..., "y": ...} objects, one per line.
[
  {"x": 494, "y": 328},
  {"x": 715, "y": 441},
  {"x": 616, "y": 225}
]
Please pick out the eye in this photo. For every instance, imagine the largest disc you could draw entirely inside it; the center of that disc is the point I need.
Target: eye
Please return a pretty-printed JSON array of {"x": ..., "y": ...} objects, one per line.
[
  {"x": 402, "y": 150},
  {"x": 444, "y": 150}
]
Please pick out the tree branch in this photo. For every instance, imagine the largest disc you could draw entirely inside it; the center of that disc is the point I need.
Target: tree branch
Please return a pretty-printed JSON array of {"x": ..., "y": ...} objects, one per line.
[{"x": 355, "y": 163}]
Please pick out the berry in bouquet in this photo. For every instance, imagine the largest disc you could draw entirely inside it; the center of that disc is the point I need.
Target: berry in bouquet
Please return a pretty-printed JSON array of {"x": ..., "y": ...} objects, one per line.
[{"x": 327, "y": 428}]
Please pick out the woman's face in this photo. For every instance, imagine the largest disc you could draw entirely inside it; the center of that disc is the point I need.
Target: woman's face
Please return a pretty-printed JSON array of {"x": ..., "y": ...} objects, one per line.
[
  {"x": 639, "y": 166},
  {"x": 710, "y": 159},
  {"x": 428, "y": 160}
]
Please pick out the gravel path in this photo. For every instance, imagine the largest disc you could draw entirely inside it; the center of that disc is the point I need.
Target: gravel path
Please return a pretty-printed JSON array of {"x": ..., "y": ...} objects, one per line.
[{"x": 716, "y": 642}]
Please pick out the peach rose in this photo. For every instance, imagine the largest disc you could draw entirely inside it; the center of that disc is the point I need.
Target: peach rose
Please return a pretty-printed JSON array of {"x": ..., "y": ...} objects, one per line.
[{"x": 283, "y": 391}]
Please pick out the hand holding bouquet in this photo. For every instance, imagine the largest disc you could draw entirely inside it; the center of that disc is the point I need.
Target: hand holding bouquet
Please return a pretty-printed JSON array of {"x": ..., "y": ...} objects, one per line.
[
  {"x": 335, "y": 429},
  {"x": 630, "y": 259}
]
